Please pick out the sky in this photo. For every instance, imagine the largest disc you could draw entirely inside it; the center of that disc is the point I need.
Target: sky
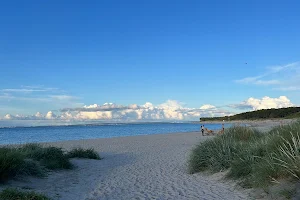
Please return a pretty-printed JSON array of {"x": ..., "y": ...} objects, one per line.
[{"x": 147, "y": 60}]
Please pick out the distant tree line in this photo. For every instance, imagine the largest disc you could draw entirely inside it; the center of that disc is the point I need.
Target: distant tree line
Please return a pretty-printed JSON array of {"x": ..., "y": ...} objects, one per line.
[{"x": 291, "y": 112}]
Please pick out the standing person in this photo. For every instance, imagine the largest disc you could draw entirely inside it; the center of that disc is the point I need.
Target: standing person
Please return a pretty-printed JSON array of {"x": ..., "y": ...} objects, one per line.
[
  {"x": 222, "y": 130},
  {"x": 202, "y": 130}
]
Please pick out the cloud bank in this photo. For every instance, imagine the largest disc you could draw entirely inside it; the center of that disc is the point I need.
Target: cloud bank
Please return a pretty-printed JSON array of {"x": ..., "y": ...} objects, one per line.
[{"x": 169, "y": 110}]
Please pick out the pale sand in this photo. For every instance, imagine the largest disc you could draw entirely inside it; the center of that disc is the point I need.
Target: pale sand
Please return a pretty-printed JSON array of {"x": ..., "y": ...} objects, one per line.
[{"x": 135, "y": 167}]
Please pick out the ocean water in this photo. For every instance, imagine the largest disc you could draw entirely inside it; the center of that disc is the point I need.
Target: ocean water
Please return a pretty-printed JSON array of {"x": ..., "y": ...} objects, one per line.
[{"x": 19, "y": 135}]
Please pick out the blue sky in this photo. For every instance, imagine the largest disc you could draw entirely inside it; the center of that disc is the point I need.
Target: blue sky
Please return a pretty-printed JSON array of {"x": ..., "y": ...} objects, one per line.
[{"x": 67, "y": 54}]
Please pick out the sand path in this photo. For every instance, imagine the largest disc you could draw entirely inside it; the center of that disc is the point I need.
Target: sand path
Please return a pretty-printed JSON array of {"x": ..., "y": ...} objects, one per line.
[{"x": 136, "y": 167}]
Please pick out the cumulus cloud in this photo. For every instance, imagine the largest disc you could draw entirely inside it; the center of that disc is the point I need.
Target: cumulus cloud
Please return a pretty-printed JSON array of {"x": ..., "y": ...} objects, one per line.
[
  {"x": 264, "y": 103},
  {"x": 8, "y": 116},
  {"x": 38, "y": 115},
  {"x": 169, "y": 110},
  {"x": 50, "y": 115}
]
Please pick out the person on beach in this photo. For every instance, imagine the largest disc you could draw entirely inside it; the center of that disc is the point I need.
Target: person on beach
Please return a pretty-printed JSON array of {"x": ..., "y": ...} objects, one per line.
[
  {"x": 202, "y": 130},
  {"x": 222, "y": 130}
]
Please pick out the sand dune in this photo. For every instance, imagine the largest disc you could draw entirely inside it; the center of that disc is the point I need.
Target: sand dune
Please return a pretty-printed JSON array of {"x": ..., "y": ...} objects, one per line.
[{"x": 136, "y": 167}]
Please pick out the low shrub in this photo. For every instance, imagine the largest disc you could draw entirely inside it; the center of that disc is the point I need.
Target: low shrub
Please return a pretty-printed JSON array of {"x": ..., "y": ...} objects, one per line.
[
  {"x": 83, "y": 153},
  {"x": 34, "y": 159},
  {"x": 253, "y": 158},
  {"x": 15, "y": 194},
  {"x": 11, "y": 163},
  {"x": 218, "y": 153}
]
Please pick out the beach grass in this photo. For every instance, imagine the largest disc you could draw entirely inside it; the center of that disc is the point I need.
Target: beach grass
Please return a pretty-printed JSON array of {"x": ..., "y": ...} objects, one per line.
[
  {"x": 35, "y": 160},
  {"x": 218, "y": 154},
  {"x": 11, "y": 163},
  {"x": 254, "y": 159},
  {"x": 83, "y": 153},
  {"x": 15, "y": 194}
]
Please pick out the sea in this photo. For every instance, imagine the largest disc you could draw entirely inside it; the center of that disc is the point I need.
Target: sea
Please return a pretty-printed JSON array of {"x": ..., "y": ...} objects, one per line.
[{"x": 21, "y": 135}]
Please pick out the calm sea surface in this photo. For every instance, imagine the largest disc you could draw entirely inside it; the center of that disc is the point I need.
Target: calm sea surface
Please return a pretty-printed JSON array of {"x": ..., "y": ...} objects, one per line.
[{"x": 20, "y": 135}]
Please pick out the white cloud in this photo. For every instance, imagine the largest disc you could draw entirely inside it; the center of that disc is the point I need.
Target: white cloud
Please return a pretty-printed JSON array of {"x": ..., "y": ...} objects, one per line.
[
  {"x": 23, "y": 90},
  {"x": 170, "y": 110},
  {"x": 62, "y": 97},
  {"x": 287, "y": 76},
  {"x": 207, "y": 106},
  {"x": 264, "y": 103},
  {"x": 53, "y": 98},
  {"x": 170, "y": 104},
  {"x": 50, "y": 115},
  {"x": 9, "y": 117},
  {"x": 38, "y": 115},
  {"x": 92, "y": 106},
  {"x": 288, "y": 88},
  {"x": 275, "y": 69},
  {"x": 267, "y": 82},
  {"x": 148, "y": 105},
  {"x": 93, "y": 115},
  {"x": 256, "y": 81},
  {"x": 28, "y": 89}
]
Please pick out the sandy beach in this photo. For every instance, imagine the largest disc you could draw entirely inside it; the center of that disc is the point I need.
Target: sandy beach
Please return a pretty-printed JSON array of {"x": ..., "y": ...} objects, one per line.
[{"x": 135, "y": 167}]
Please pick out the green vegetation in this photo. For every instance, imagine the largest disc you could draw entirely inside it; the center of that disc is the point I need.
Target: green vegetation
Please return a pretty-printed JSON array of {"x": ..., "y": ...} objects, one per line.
[
  {"x": 34, "y": 160},
  {"x": 291, "y": 112},
  {"x": 14, "y": 194},
  {"x": 288, "y": 193},
  {"x": 83, "y": 153},
  {"x": 218, "y": 154},
  {"x": 50, "y": 157},
  {"x": 253, "y": 158}
]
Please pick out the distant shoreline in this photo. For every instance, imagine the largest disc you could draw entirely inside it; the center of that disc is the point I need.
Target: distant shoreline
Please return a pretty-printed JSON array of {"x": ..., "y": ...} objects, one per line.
[{"x": 99, "y": 124}]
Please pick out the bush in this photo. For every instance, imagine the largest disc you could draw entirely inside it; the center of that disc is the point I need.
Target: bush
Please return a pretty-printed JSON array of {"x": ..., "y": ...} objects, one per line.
[
  {"x": 255, "y": 159},
  {"x": 33, "y": 159},
  {"x": 14, "y": 194},
  {"x": 11, "y": 163},
  {"x": 218, "y": 153},
  {"x": 242, "y": 134},
  {"x": 242, "y": 163},
  {"x": 32, "y": 168},
  {"x": 53, "y": 158},
  {"x": 288, "y": 156},
  {"x": 83, "y": 153},
  {"x": 50, "y": 157}
]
